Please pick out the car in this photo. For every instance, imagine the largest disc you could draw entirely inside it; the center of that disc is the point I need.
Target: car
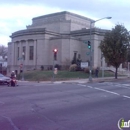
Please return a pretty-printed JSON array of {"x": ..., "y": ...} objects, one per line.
[{"x": 4, "y": 79}]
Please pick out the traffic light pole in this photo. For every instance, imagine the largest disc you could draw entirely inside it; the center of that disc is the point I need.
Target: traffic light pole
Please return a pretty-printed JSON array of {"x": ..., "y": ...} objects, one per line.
[
  {"x": 53, "y": 70},
  {"x": 90, "y": 70},
  {"x": 23, "y": 66}
]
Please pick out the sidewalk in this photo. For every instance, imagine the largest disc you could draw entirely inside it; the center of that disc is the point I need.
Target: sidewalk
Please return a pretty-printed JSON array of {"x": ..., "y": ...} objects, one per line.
[
  {"x": 82, "y": 81},
  {"x": 105, "y": 79}
]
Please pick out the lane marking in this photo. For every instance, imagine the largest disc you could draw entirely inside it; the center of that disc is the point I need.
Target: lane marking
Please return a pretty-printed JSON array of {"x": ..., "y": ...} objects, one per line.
[
  {"x": 117, "y": 85},
  {"x": 104, "y": 90},
  {"x": 126, "y": 84},
  {"x": 107, "y": 83},
  {"x": 125, "y": 87},
  {"x": 82, "y": 85},
  {"x": 107, "y": 91},
  {"x": 89, "y": 86},
  {"x": 57, "y": 82},
  {"x": 11, "y": 122},
  {"x": 126, "y": 96}
]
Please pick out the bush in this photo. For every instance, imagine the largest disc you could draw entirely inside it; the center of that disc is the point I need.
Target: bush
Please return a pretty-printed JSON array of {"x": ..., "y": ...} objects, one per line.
[
  {"x": 73, "y": 67},
  {"x": 86, "y": 70},
  {"x": 42, "y": 67},
  {"x": 57, "y": 66}
]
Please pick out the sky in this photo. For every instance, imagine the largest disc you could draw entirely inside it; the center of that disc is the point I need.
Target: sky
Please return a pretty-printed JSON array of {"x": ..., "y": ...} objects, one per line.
[{"x": 15, "y": 15}]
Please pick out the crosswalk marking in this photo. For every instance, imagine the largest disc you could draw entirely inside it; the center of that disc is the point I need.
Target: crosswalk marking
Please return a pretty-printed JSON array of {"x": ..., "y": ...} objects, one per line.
[
  {"x": 126, "y": 96},
  {"x": 82, "y": 85},
  {"x": 111, "y": 92},
  {"x": 89, "y": 86},
  {"x": 106, "y": 91}
]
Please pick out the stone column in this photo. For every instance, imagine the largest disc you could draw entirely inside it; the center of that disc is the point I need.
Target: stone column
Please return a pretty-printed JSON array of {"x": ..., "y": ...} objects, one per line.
[
  {"x": 35, "y": 54},
  {"x": 27, "y": 53},
  {"x": 20, "y": 50},
  {"x": 13, "y": 54}
]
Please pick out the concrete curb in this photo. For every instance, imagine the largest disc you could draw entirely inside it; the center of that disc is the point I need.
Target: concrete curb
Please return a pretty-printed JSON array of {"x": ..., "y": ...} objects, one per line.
[
  {"x": 94, "y": 80},
  {"x": 82, "y": 81}
]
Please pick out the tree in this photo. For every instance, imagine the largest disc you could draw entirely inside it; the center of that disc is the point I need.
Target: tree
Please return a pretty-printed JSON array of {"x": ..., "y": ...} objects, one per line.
[
  {"x": 114, "y": 46},
  {"x": 128, "y": 53},
  {"x": 3, "y": 51}
]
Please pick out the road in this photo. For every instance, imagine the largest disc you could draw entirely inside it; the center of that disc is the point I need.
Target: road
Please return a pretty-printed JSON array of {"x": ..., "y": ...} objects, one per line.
[{"x": 40, "y": 106}]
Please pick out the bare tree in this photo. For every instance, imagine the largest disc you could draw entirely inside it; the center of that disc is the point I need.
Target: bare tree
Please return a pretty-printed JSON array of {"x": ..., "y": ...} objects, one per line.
[{"x": 3, "y": 51}]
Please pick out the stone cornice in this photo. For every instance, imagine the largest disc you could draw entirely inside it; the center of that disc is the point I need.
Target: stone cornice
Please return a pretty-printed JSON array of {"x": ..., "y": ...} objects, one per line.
[
  {"x": 35, "y": 31},
  {"x": 87, "y": 32},
  {"x": 55, "y": 35},
  {"x": 64, "y": 36}
]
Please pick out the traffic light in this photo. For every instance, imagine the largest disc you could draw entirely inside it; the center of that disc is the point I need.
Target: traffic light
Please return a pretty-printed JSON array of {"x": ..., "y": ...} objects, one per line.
[
  {"x": 89, "y": 45},
  {"x": 55, "y": 54}
]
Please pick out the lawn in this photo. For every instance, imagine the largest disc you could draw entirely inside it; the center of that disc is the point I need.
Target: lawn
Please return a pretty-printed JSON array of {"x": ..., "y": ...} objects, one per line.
[{"x": 39, "y": 75}]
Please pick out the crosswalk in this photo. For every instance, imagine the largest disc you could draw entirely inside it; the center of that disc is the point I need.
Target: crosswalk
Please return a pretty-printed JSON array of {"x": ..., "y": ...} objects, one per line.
[
  {"x": 123, "y": 85},
  {"x": 111, "y": 88}
]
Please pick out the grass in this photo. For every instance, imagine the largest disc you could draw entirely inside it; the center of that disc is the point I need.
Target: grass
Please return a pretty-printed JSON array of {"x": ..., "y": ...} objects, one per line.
[{"x": 38, "y": 75}]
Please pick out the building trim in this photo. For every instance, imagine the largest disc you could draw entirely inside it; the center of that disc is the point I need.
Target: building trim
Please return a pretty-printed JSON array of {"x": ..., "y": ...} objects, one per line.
[
  {"x": 62, "y": 13},
  {"x": 35, "y": 31}
]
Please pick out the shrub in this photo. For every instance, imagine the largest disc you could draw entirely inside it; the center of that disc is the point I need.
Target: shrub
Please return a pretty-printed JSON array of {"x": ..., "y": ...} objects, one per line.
[
  {"x": 73, "y": 67},
  {"x": 57, "y": 66},
  {"x": 42, "y": 67},
  {"x": 86, "y": 70}
]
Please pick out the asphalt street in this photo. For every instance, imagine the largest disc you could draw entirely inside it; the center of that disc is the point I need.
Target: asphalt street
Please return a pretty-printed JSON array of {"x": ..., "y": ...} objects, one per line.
[{"x": 64, "y": 106}]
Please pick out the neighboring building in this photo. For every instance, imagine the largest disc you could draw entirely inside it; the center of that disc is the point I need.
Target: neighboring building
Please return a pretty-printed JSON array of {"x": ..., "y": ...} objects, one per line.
[
  {"x": 65, "y": 31},
  {"x": 3, "y": 65}
]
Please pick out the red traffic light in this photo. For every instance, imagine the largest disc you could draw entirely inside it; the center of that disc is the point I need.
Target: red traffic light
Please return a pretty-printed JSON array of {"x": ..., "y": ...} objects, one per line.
[{"x": 55, "y": 50}]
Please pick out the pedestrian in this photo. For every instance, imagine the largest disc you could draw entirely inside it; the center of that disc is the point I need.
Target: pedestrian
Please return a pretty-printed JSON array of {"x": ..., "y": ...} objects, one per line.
[{"x": 96, "y": 72}]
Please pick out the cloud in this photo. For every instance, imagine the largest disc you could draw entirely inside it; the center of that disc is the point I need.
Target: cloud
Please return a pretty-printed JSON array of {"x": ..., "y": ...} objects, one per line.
[
  {"x": 17, "y": 17},
  {"x": 18, "y": 14}
]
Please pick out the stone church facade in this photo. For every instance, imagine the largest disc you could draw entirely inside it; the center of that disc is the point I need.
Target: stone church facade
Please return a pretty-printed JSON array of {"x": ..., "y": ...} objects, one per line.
[{"x": 65, "y": 31}]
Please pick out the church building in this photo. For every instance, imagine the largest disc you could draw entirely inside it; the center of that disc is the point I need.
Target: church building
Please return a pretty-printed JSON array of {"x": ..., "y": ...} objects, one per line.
[{"x": 67, "y": 32}]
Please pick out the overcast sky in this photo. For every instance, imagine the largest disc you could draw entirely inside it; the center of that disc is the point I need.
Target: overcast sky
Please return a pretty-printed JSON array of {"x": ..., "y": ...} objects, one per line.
[{"x": 17, "y": 14}]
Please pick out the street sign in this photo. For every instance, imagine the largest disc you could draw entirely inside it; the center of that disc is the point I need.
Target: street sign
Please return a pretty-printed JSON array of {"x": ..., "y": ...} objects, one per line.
[
  {"x": 87, "y": 53},
  {"x": 20, "y": 58},
  {"x": 86, "y": 42}
]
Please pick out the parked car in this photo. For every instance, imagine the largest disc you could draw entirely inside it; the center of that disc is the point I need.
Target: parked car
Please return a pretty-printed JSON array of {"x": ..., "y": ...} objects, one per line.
[{"x": 4, "y": 79}]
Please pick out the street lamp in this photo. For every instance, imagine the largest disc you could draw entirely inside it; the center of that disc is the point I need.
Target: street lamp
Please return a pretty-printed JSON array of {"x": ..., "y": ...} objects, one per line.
[
  {"x": 90, "y": 70},
  {"x": 23, "y": 65}
]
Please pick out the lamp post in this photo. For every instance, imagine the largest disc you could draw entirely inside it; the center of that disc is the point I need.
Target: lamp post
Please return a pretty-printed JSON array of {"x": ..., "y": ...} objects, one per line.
[
  {"x": 102, "y": 60},
  {"x": 91, "y": 22},
  {"x": 23, "y": 65}
]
